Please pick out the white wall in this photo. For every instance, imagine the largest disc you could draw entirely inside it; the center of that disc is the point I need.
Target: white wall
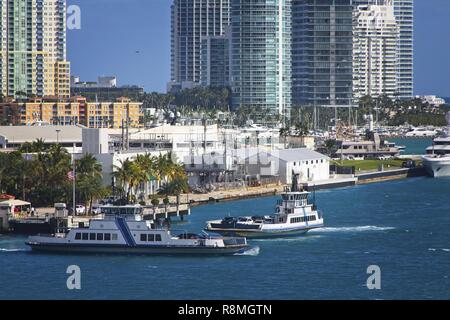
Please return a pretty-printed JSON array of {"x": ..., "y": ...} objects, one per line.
[
  {"x": 310, "y": 170},
  {"x": 95, "y": 141}
]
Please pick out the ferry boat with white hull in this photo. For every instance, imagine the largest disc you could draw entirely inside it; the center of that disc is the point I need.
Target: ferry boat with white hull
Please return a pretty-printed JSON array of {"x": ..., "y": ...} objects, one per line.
[
  {"x": 294, "y": 215},
  {"x": 123, "y": 231},
  {"x": 437, "y": 159}
]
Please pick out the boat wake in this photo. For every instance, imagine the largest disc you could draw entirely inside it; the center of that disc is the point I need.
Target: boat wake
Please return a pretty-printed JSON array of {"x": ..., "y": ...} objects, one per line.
[
  {"x": 288, "y": 239},
  {"x": 12, "y": 250},
  {"x": 443, "y": 249},
  {"x": 254, "y": 251},
  {"x": 350, "y": 229}
]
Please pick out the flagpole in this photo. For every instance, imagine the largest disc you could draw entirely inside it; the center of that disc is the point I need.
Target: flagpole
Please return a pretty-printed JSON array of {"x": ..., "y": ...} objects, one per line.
[{"x": 73, "y": 182}]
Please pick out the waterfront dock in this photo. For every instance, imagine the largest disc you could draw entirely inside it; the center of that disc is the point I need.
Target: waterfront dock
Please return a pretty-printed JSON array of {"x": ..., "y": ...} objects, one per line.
[{"x": 188, "y": 201}]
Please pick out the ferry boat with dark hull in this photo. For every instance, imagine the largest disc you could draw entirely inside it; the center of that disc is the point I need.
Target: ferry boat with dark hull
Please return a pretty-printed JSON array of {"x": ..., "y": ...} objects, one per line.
[
  {"x": 122, "y": 230},
  {"x": 294, "y": 215},
  {"x": 33, "y": 226}
]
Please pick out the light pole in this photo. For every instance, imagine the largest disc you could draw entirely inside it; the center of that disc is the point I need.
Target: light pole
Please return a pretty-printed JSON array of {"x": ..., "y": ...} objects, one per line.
[{"x": 57, "y": 135}]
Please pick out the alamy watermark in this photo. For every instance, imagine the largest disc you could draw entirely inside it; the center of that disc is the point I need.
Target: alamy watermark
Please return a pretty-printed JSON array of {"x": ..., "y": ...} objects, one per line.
[
  {"x": 374, "y": 280},
  {"x": 74, "y": 280},
  {"x": 73, "y": 17}
]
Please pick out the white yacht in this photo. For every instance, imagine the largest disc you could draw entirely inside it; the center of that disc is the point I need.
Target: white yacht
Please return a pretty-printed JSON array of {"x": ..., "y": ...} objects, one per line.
[
  {"x": 421, "y": 133},
  {"x": 294, "y": 215},
  {"x": 123, "y": 230},
  {"x": 437, "y": 159}
]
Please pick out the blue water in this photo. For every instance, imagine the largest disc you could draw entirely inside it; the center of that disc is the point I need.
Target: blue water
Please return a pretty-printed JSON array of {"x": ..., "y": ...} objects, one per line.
[
  {"x": 401, "y": 226},
  {"x": 414, "y": 146}
]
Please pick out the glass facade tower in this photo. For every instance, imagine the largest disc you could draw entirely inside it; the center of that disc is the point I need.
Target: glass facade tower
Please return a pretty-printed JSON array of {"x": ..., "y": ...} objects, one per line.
[
  {"x": 322, "y": 52},
  {"x": 191, "y": 21},
  {"x": 261, "y": 55},
  {"x": 215, "y": 71}
]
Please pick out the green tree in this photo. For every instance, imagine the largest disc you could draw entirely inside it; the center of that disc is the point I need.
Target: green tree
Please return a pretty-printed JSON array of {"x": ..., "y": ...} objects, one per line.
[{"x": 89, "y": 180}]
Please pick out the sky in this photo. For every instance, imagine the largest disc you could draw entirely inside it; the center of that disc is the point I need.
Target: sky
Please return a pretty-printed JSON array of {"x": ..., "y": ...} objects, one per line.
[{"x": 130, "y": 39}]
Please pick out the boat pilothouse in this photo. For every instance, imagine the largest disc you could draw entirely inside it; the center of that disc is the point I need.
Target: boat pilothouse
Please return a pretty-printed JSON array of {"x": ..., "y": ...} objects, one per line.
[
  {"x": 294, "y": 215},
  {"x": 122, "y": 229},
  {"x": 437, "y": 159}
]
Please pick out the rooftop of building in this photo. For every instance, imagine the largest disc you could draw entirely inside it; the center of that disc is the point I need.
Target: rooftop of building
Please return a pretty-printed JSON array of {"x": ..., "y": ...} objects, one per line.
[
  {"x": 49, "y": 133},
  {"x": 298, "y": 154}
]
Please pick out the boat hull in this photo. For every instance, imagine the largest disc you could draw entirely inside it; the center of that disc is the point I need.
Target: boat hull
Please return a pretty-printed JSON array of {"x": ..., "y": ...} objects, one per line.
[
  {"x": 258, "y": 234},
  {"x": 437, "y": 167},
  {"x": 141, "y": 250}
]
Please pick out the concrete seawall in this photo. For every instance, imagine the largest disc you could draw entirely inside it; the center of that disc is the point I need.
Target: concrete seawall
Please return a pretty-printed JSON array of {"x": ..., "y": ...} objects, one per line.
[
  {"x": 363, "y": 178},
  {"x": 394, "y": 174}
]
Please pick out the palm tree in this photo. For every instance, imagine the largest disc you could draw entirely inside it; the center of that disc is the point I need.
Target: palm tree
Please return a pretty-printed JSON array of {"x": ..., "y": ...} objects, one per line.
[
  {"x": 155, "y": 204},
  {"x": 122, "y": 174},
  {"x": 284, "y": 133},
  {"x": 146, "y": 164},
  {"x": 89, "y": 179},
  {"x": 179, "y": 185}
]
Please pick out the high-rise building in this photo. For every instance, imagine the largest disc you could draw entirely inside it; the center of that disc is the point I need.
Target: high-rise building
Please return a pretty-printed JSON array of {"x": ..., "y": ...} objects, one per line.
[
  {"x": 322, "y": 52},
  {"x": 375, "y": 53},
  {"x": 404, "y": 16},
  {"x": 215, "y": 61},
  {"x": 191, "y": 21},
  {"x": 261, "y": 55},
  {"x": 33, "y": 48}
]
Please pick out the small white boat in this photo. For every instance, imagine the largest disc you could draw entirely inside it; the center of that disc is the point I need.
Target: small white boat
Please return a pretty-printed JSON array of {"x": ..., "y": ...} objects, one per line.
[
  {"x": 294, "y": 215},
  {"x": 122, "y": 230}
]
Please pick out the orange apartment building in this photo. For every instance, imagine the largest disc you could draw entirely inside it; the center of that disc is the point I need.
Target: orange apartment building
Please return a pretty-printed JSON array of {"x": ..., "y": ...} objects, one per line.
[{"x": 75, "y": 111}]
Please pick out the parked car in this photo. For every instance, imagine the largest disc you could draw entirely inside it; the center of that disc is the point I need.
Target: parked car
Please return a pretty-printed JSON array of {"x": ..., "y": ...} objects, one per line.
[
  {"x": 80, "y": 209},
  {"x": 380, "y": 157},
  {"x": 409, "y": 164},
  {"x": 96, "y": 210}
]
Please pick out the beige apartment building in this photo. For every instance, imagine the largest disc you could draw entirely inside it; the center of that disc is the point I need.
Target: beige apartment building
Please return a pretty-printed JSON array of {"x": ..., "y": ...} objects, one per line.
[
  {"x": 75, "y": 111},
  {"x": 33, "y": 49}
]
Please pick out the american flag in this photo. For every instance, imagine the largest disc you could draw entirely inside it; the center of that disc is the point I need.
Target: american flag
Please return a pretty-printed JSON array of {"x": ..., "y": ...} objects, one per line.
[{"x": 71, "y": 175}]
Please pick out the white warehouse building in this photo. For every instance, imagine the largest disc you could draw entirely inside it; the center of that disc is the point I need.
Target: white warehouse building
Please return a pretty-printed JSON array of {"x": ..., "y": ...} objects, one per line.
[{"x": 313, "y": 166}]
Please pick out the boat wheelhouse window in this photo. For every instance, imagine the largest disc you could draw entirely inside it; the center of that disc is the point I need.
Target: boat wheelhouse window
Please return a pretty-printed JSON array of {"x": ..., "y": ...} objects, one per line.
[
  {"x": 85, "y": 236},
  {"x": 151, "y": 237},
  {"x": 107, "y": 236},
  {"x": 158, "y": 237},
  {"x": 143, "y": 237},
  {"x": 78, "y": 236},
  {"x": 91, "y": 236},
  {"x": 297, "y": 220},
  {"x": 114, "y": 236},
  {"x": 99, "y": 236}
]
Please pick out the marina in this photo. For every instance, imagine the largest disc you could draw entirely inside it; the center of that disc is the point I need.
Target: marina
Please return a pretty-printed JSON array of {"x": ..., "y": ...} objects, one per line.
[
  {"x": 218, "y": 153},
  {"x": 334, "y": 258}
]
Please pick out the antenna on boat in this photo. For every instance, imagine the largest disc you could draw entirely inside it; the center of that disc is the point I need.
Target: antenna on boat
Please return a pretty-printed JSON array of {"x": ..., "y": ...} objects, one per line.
[{"x": 314, "y": 195}]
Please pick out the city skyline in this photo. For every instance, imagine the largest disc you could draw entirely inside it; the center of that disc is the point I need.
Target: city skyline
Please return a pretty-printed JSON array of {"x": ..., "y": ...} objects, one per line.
[{"x": 148, "y": 64}]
